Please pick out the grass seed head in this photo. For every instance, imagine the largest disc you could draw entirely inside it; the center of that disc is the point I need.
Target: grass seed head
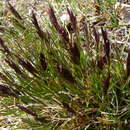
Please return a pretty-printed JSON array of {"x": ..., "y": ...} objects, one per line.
[
  {"x": 14, "y": 12},
  {"x": 34, "y": 21},
  {"x": 4, "y": 90},
  {"x": 43, "y": 61},
  {"x": 96, "y": 35},
  {"x": 66, "y": 74},
  {"x": 53, "y": 19},
  {"x": 26, "y": 110},
  {"x": 106, "y": 43},
  {"x": 70, "y": 28},
  {"x": 7, "y": 91},
  {"x": 72, "y": 19},
  {"x": 6, "y": 49},
  {"x": 61, "y": 30},
  {"x": 75, "y": 54},
  {"x": 128, "y": 63},
  {"x": 106, "y": 84},
  {"x": 27, "y": 65},
  {"x": 13, "y": 66},
  {"x": 101, "y": 62},
  {"x": 41, "y": 34}
]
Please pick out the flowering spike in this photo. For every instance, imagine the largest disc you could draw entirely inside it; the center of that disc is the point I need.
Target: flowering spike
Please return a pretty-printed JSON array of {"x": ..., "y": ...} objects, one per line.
[
  {"x": 101, "y": 62},
  {"x": 14, "y": 12},
  {"x": 106, "y": 43},
  {"x": 70, "y": 28},
  {"x": 54, "y": 19},
  {"x": 75, "y": 54},
  {"x": 13, "y": 66},
  {"x": 96, "y": 35},
  {"x": 27, "y": 65},
  {"x": 34, "y": 21},
  {"x": 72, "y": 19},
  {"x": 106, "y": 84},
  {"x": 39, "y": 30},
  {"x": 6, "y": 49},
  {"x": 65, "y": 74},
  {"x": 43, "y": 61},
  {"x": 128, "y": 64},
  {"x": 7, "y": 91},
  {"x": 26, "y": 110},
  {"x": 62, "y": 32}
]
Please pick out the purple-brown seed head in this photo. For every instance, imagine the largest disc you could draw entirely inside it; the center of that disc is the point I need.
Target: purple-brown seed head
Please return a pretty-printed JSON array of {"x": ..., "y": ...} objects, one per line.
[
  {"x": 96, "y": 35},
  {"x": 14, "y": 12},
  {"x": 106, "y": 43},
  {"x": 72, "y": 19},
  {"x": 128, "y": 64}
]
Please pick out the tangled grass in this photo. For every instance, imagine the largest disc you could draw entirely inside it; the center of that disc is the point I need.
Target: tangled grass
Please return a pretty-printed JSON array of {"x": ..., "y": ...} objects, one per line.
[{"x": 65, "y": 75}]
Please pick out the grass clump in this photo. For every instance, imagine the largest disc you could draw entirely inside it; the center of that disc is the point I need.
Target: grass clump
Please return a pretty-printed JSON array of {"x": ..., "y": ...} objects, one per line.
[{"x": 65, "y": 77}]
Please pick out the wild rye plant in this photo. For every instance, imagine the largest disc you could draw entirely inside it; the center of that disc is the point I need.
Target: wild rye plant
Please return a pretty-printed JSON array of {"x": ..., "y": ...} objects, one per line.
[{"x": 65, "y": 77}]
